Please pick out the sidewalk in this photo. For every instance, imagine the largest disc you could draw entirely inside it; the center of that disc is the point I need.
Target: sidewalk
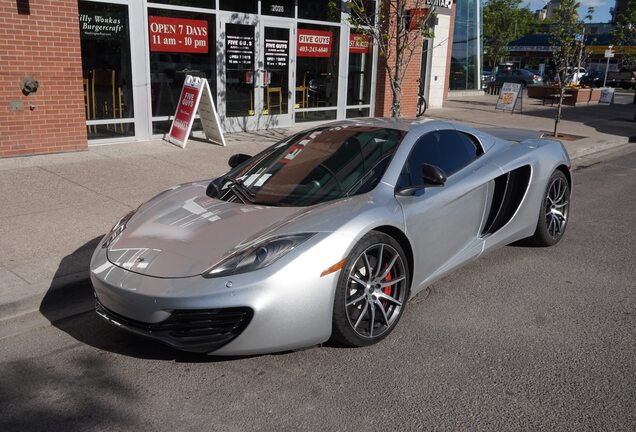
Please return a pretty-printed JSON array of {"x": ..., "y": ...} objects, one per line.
[{"x": 55, "y": 208}]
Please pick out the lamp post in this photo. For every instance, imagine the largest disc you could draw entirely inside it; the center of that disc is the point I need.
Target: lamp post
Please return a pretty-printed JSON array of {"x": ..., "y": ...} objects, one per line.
[{"x": 608, "y": 54}]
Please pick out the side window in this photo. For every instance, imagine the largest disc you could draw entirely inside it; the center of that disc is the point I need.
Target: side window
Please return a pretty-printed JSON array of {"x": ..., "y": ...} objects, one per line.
[{"x": 448, "y": 149}]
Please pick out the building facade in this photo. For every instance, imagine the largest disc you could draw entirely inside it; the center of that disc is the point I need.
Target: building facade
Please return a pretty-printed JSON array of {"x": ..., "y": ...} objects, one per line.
[{"x": 111, "y": 71}]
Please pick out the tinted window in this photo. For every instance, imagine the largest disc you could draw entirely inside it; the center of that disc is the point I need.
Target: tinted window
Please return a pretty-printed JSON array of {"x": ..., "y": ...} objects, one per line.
[{"x": 448, "y": 149}]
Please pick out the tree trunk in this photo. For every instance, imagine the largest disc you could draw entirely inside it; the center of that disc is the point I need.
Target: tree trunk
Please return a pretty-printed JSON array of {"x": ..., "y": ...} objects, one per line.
[
  {"x": 558, "y": 115},
  {"x": 395, "y": 105}
]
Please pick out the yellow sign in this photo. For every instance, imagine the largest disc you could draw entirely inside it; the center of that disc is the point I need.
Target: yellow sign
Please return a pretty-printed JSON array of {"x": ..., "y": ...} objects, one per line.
[{"x": 600, "y": 49}]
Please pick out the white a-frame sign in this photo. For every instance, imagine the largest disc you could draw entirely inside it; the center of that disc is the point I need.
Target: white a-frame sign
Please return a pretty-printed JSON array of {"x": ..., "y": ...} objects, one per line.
[{"x": 195, "y": 96}]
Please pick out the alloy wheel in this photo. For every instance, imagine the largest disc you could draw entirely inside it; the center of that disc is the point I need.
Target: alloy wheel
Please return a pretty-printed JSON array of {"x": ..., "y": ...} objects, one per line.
[
  {"x": 556, "y": 207},
  {"x": 376, "y": 290}
]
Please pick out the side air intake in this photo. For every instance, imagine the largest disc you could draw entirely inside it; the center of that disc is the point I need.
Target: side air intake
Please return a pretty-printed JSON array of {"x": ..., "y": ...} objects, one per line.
[{"x": 509, "y": 191}]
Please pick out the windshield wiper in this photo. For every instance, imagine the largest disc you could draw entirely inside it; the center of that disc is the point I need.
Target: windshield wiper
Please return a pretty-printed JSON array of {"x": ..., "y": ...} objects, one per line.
[{"x": 240, "y": 190}]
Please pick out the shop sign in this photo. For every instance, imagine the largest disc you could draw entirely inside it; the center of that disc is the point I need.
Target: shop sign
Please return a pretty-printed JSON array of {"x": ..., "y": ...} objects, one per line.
[
  {"x": 195, "y": 97},
  {"x": 447, "y": 4},
  {"x": 359, "y": 43},
  {"x": 276, "y": 54},
  {"x": 178, "y": 35},
  {"x": 95, "y": 26},
  {"x": 239, "y": 51},
  {"x": 607, "y": 95},
  {"x": 314, "y": 43},
  {"x": 508, "y": 96}
]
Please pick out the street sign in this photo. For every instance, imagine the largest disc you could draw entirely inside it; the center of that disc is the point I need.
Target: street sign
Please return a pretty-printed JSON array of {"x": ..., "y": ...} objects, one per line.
[
  {"x": 195, "y": 96},
  {"x": 609, "y": 53}
]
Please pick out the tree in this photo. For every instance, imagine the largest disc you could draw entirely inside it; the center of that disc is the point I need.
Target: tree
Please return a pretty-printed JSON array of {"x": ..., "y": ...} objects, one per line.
[
  {"x": 567, "y": 37},
  {"x": 504, "y": 21},
  {"x": 624, "y": 35},
  {"x": 398, "y": 33}
]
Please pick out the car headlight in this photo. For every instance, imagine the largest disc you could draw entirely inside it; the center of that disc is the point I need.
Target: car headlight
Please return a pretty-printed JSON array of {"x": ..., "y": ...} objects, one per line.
[
  {"x": 117, "y": 229},
  {"x": 257, "y": 256}
]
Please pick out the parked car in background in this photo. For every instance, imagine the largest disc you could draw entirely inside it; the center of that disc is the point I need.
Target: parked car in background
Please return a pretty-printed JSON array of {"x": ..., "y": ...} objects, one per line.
[
  {"x": 574, "y": 75},
  {"x": 521, "y": 76},
  {"x": 623, "y": 79},
  {"x": 592, "y": 78},
  {"x": 486, "y": 78}
]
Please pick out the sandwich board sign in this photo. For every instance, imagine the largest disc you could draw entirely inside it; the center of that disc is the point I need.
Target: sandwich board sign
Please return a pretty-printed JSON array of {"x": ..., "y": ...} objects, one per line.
[
  {"x": 195, "y": 97},
  {"x": 607, "y": 95},
  {"x": 509, "y": 96}
]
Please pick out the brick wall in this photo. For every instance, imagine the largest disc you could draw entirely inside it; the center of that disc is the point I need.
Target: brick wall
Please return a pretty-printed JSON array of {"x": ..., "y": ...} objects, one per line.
[
  {"x": 410, "y": 85},
  {"x": 40, "y": 38}
]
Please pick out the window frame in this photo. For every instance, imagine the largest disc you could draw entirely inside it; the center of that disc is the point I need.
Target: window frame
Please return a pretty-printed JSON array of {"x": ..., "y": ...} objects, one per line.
[{"x": 474, "y": 139}]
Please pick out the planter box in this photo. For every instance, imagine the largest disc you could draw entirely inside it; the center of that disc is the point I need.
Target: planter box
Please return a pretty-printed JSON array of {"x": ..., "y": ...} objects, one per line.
[
  {"x": 581, "y": 96},
  {"x": 540, "y": 92}
]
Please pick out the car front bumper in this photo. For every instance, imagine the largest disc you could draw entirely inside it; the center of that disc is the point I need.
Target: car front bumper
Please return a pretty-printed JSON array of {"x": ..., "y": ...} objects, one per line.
[{"x": 287, "y": 305}]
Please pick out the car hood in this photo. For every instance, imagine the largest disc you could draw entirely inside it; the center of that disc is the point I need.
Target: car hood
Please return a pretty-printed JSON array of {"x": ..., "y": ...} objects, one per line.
[{"x": 183, "y": 232}]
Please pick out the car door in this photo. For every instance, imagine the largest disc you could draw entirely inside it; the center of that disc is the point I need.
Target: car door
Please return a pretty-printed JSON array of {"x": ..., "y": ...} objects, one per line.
[{"x": 443, "y": 222}]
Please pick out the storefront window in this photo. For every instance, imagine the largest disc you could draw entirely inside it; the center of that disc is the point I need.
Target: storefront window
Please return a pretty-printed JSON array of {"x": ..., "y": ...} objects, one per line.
[
  {"x": 245, "y": 6},
  {"x": 312, "y": 116},
  {"x": 239, "y": 70},
  {"x": 181, "y": 44},
  {"x": 466, "y": 55},
  {"x": 316, "y": 66},
  {"x": 207, "y": 4},
  {"x": 360, "y": 64},
  {"x": 358, "y": 112},
  {"x": 281, "y": 8},
  {"x": 317, "y": 10},
  {"x": 105, "y": 44}
]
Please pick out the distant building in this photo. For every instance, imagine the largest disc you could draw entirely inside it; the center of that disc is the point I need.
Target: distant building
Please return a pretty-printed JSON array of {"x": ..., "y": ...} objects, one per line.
[
  {"x": 619, "y": 6},
  {"x": 541, "y": 14}
]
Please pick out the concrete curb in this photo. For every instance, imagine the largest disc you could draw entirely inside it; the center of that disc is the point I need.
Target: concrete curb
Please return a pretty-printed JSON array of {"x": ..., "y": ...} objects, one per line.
[{"x": 72, "y": 294}]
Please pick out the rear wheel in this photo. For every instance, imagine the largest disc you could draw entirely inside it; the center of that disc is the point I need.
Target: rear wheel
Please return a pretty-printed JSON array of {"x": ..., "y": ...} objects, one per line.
[
  {"x": 555, "y": 211},
  {"x": 372, "y": 291}
]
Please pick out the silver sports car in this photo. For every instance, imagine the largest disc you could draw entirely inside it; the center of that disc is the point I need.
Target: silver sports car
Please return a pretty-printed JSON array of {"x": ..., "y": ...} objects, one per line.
[{"x": 326, "y": 234}]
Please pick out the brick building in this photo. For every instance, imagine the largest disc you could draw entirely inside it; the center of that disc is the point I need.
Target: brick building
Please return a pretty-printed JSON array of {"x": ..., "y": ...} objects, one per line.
[{"x": 112, "y": 71}]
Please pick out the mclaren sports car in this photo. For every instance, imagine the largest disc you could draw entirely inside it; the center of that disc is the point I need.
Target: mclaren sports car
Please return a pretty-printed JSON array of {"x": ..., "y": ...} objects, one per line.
[{"x": 326, "y": 234}]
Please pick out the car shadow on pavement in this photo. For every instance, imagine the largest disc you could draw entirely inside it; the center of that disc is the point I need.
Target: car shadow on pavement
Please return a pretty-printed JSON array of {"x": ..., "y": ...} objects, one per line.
[{"x": 69, "y": 306}]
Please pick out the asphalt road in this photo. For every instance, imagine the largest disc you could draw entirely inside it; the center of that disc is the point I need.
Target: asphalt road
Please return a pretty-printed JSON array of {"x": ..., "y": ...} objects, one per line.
[{"x": 522, "y": 339}]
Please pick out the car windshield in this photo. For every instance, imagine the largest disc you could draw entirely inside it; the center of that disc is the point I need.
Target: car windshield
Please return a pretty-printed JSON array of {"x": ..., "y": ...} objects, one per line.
[{"x": 312, "y": 167}]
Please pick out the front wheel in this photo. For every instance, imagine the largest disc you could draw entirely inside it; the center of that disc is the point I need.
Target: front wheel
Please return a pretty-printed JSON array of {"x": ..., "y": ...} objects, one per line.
[
  {"x": 555, "y": 211},
  {"x": 372, "y": 291}
]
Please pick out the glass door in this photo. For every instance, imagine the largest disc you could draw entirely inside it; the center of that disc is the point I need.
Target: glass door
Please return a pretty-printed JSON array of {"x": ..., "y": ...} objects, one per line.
[
  {"x": 275, "y": 73},
  {"x": 256, "y": 72}
]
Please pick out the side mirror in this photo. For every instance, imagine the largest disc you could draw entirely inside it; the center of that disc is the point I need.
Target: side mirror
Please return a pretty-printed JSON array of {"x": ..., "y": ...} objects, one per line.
[
  {"x": 433, "y": 175},
  {"x": 237, "y": 159}
]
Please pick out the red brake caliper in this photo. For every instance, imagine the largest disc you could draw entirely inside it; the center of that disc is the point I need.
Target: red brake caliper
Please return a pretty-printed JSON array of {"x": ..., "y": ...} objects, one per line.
[{"x": 388, "y": 290}]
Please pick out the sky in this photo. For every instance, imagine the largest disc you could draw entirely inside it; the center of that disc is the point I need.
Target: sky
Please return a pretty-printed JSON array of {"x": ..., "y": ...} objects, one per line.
[{"x": 601, "y": 8}]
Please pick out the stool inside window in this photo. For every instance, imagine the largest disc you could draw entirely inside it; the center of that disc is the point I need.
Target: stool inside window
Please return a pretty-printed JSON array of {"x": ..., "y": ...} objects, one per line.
[
  {"x": 274, "y": 91},
  {"x": 106, "y": 95}
]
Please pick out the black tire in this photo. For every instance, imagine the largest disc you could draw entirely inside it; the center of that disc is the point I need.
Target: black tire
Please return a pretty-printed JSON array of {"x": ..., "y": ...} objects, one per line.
[
  {"x": 555, "y": 211},
  {"x": 421, "y": 107},
  {"x": 366, "y": 310}
]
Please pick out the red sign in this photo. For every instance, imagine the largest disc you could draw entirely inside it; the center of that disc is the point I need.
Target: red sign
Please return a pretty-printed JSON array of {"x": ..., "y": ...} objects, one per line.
[
  {"x": 185, "y": 113},
  {"x": 314, "y": 43},
  {"x": 358, "y": 43},
  {"x": 417, "y": 16},
  {"x": 178, "y": 35}
]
